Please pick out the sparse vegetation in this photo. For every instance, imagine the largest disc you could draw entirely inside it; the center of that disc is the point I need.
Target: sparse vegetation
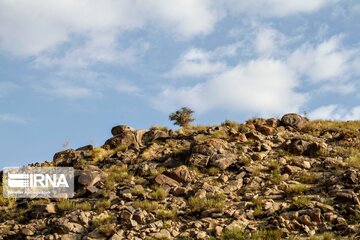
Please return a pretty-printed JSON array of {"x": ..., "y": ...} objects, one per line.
[
  {"x": 103, "y": 223},
  {"x": 70, "y": 205},
  {"x": 102, "y": 205},
  {"x": 117, "y": 174},
  {"x": 147, "y": 205},
  {"x": 354, "y": 158},
  {"x": 262, "y": 234},
  {"x": 301, "y": 201},
  {"x": 182, "y": 117},
  {"x": 159, "y": 194},
  {"x": 199, "y": 204},
  {"x": 166, "y": 214},
  {"x": 297, "y": 188}
]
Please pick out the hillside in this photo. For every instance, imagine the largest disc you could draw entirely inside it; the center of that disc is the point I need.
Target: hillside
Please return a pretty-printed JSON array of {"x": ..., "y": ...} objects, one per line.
[{"x": 264, "y": 179}]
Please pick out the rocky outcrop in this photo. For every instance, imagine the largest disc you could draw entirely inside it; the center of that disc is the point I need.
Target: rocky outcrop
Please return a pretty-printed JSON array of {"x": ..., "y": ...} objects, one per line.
[{"x": 287, "y": 178}]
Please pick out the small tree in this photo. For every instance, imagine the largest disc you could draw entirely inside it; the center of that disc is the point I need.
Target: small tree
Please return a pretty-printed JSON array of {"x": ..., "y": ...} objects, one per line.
[{"x": 182, "y": 117}]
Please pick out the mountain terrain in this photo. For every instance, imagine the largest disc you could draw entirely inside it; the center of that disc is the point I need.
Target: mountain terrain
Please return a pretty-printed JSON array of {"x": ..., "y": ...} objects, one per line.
[{"x": 288, "y": 178}]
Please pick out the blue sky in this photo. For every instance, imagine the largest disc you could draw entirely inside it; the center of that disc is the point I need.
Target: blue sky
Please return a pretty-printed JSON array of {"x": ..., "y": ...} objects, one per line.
[{"x": 70, "y": 70}]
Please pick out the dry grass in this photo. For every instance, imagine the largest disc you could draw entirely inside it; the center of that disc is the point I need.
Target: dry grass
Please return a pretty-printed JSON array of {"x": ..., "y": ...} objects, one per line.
[
  {"x": 117, "y": 174},
  {"x": 317, "y": 125},
  {"x": 297, "y": 188},
  {"x": 199, "y": 204},
  {"x": 147, "y": 205},
  {"x": 159, "y": 194},
  {"x": 354, "y": 158},
  {"x": 165, "y": 214},
  {"x": 69, "y": 205}
]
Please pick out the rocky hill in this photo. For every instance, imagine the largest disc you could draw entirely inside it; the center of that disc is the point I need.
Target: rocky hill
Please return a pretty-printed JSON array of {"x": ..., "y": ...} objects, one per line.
[{"x": 286, "y": 178}]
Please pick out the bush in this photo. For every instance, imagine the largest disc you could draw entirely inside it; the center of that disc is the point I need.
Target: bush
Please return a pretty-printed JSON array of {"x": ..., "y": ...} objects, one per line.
[
  {"x": 68, "y": 205},
  {"x": 147, "y": 205},
  {"x": 200, "y": 204},
  {"x": 159, "y": 194}
]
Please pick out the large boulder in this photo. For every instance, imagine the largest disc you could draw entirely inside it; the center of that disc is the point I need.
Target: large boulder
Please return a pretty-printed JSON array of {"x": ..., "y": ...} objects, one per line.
[
  {"x": 67, "y": 157},
  {"x": 180, "y": 174},
  {"x": 123, "y": 136},
  {"x": 162, "y": 179},
  {"x": 222, "y": 161},
  {"x": 120, "y": 129},
  {"x": 293, "y": 120}
]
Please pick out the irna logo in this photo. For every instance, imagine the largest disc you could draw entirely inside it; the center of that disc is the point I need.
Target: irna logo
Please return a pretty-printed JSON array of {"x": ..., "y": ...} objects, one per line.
[{"x": 38, "y": 182}]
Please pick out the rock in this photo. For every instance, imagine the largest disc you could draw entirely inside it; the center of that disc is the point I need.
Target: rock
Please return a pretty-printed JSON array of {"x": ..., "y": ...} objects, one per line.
[
  {"x": 255, "y": 136},
  {"x": 180, "y": 191},
  {"x": 210, "y": 147},
  {"x": 238, "y": 224},
  {"x": 197, "y": 159},
  {"x": 121, "y": 129},
  {"x": 124, "y": 136},
  {"x": 154, "y": 134},
  {"x": 118, "y": 236},
  {"x": 222, "y": 161},
  {"x": 43, "y": 210},
  {"x": 233, "y": 185},
  {"x": 66, "y": 157},
  {"x": 293, "y": 120},
  {"x": 297, "y": 146},
  {"x": 305, "y": 219},
  {"x": 201, "y": 193},
  {"x": 239, "y": 137},
  {"x": 347, "y": 196},
  {"x": 352, "y": 176},
  {"x": 201, "y": 235},
  {"x": 27, "y": 232},
  {"x": 139, "y": 135},
  {"x": 291, "y": 169},
  {"x": 126, "y": 214},
  {"x": 139, "y": 216},
  {"x": 315, "y": 149},
  {"x": 163, "y": 234},
  {"x": 89, "y": 178},
  {"x": 162, "y": 179},
  {"x": 180, "y": 174},
  {"x": 218, "y": 230},
  {"x": 265, "y": 130}
]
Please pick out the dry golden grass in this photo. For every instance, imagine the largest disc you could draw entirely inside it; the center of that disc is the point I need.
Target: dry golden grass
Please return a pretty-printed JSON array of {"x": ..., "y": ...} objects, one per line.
[{"x": 316, "y": 125}]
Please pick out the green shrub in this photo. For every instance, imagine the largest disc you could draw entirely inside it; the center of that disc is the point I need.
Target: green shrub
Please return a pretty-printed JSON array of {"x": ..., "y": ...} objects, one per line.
[
  {"x": 199, "y": 204},
  {"x": 147, "y": 205},
  {"x": 69, "y": 205},
  {"x": 159, "y": 194}
]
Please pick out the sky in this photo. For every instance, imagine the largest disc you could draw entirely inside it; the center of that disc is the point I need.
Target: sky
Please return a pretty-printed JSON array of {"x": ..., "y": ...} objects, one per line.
[{"x": 72, "y": 69}]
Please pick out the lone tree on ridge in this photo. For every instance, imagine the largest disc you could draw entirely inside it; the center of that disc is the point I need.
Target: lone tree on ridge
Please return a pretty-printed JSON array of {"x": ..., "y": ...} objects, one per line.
[{"x": 182, "y": 117}]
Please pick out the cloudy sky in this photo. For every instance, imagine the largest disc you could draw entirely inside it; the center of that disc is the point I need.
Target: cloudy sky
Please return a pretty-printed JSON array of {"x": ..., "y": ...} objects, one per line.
[{"x": 72, "y": 69}]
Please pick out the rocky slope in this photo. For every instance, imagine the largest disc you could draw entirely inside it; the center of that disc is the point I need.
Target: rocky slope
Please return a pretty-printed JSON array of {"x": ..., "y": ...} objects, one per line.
[{"x": 264, "y": 179}]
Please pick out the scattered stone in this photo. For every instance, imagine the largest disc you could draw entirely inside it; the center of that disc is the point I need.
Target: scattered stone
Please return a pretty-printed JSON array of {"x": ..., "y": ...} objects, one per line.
[{"x": 293, "y": 120}]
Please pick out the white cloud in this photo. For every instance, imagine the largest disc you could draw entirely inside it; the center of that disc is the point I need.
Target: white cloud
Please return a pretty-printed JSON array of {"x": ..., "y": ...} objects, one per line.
[
  {"x": 268, "y": 41},
  {"x": 335, "y": 112},
  {"x": 326, "y": 61},
  {"x": 12, "y": 118},
  {"x": 29, "y": 28},
  {"x": 7, "y": 87},
  {"x": 264, "y": 86},
  {"x": 275, "y": 8},
  {"x": 197, "y": 62}
]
